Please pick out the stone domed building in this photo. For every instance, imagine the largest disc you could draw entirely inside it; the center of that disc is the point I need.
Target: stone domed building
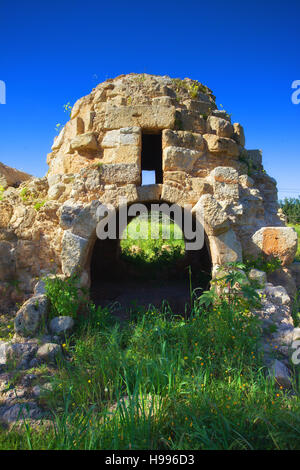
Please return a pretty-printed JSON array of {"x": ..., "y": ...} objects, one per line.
[{"x": 123, "y": 128}]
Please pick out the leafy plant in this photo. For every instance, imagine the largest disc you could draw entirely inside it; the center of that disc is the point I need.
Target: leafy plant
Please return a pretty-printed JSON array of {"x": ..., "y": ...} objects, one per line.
[
  {"x": 64, "y": 295},
  {"x": 25, "y": 194},
  {"x": 68, "y": 108},
  {"x": 38, "y": 205},
  {"x": 264, "y": 263},
  {"x": 193, "y": 91},
  {"x": 2, "y": 189},
  {"x": 232, "y": 287}
]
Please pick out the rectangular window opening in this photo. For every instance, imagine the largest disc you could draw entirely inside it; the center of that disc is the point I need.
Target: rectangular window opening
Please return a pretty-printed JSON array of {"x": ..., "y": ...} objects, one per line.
[{"x": 151, "y": 158}]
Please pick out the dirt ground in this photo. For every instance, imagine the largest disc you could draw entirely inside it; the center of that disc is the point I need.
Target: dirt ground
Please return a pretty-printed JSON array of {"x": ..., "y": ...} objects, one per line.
[{"x": 126, "y": 295}]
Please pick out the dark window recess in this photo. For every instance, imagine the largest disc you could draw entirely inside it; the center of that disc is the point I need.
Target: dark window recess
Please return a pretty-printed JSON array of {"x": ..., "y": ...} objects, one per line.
[{"x": 152, "y": 155}]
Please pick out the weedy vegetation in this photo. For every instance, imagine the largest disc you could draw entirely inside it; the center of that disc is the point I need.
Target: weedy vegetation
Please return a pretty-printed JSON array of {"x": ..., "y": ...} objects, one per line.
[{"x": 163, "y": 381}]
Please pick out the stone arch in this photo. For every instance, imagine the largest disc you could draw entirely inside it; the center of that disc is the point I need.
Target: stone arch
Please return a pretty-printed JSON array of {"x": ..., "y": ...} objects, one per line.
[{"x": 79, "y": 241}]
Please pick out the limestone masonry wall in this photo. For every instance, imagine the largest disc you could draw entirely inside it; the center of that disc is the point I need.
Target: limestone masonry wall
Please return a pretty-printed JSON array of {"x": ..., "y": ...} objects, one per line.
[{"x": 48, "y": 224}]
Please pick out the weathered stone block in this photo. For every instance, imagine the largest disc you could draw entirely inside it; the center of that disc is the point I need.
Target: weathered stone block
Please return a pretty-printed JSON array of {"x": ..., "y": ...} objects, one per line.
[
  {"x": 279, "y": 242},
  {"x": 58, "y": 140},
  {"x": 68, "y": 213},
  {"x": 124, "y": 136},
  {"x": 74, "y": 249},
  {"x": 148, "y": 117},
  {"x": 277, "y": 294},
  {"x": 120, "y": 173},
  {"x": 219, "y": 126},
  {"x": 225, "y": 248},
  {"x": 214, "y": 218},
  {"x": 122, "y": 154},
  {"x": 175, "y": 195},
  {"x": 239, "y": 135},
  {"x": 246, "y": 181},
  {"x": 200, "y": 186},
  {"x": 85, "y": 222},
  {"x": 149, "y": 192},
  {"x": 221, "y": 113},
  {"x": 84, "y": 142},
  {"x": 178, "y": 158},
  {"x": 188, "y": 140},
  {"x": 222, "y": 146},
  {"x": 225, "y": 174},
  {"x": 56, "y": 191}
]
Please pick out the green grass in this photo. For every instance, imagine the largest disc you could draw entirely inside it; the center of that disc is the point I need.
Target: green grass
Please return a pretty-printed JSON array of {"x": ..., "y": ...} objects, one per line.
[
  {"x": 166, "y": 382},
  {"x": 151, "y": 246}
]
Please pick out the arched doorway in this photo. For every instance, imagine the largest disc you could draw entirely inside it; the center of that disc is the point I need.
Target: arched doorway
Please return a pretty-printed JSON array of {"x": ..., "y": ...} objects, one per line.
[{"x": 127, "y": 273}]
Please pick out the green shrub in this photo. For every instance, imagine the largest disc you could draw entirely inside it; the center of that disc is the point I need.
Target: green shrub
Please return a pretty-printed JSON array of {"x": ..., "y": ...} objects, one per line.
[
  {"x": 2, "y": 189},
  {"x": 291, "y": 208},
  {"x": 38, "y": 205},
  {"x": 25, "y": 194},
  {"x": 264, "y": 263},
  {"x": 64, "y": 295}
]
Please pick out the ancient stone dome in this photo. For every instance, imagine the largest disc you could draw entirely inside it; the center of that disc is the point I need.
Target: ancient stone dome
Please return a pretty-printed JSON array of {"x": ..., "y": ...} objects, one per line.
[{"x": 125, "y": 126}]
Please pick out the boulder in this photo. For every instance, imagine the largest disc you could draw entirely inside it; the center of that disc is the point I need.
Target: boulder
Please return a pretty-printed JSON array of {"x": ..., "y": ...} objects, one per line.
[
  {"x": 280, "y": 373},
  {"x": 259, "y": 276},
  {"x": 48, "y": 352},
  {"x": 61, "y": 326},
  {"x": 279, "y": 242},
  {"x": 20, "y": 354},
  {"x": 39, "y": 288},
  {"x": 56, "y": 191},
  {"x": 284, "y": 277},
  {"x": 277, "y": 295},
  {"x": 20, "y": 411},
  {"x": 32, "y": 316}
]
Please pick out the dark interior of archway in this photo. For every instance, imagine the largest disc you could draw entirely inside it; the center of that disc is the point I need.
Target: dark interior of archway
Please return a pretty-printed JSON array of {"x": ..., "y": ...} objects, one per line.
[
  {"x": 115, "y": 281},
  {"x": 151, "y": 157}
]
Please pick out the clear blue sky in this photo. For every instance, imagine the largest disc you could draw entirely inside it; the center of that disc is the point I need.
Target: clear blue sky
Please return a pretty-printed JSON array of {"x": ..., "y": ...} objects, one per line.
[{"x": 247, "y": 52}]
